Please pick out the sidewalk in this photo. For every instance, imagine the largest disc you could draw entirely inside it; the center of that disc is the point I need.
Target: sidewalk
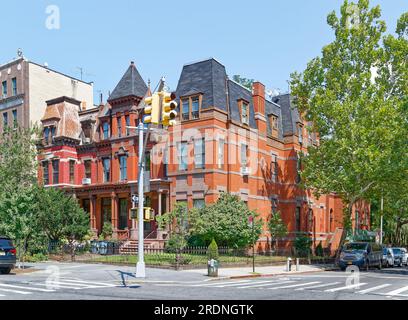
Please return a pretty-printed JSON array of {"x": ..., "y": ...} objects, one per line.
[{"x": 246, "y": 272}]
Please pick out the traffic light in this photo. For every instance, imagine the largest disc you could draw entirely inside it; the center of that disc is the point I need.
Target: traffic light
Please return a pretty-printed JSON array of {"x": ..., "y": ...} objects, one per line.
[
  {"x": 152, "y": 109},
  {"x": 133, "y": 213},
  {"x": 169, "y": 113},
  {"x": 148, "y": 214}
]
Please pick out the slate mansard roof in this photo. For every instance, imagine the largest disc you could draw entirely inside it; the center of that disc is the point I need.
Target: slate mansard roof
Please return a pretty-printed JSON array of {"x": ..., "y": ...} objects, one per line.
[
  {"x": 209, "y": 78},
  {"x": 131, "y": 84},
  {"x": 290, "y": 115}
]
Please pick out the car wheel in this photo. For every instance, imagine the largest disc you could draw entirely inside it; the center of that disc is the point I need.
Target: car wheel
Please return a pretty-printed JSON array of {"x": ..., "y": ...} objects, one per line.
[{"x": 5, "y": 270}]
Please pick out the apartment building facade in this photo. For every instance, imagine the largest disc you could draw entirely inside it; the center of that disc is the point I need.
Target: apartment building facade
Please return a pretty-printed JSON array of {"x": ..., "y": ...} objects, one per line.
[
  {"x": 26, "y": 86},
  {"x": 227, "y": 139}
]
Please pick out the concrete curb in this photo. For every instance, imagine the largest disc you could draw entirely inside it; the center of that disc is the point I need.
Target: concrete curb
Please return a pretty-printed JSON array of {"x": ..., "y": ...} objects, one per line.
[{"x": 278, "y": 274}]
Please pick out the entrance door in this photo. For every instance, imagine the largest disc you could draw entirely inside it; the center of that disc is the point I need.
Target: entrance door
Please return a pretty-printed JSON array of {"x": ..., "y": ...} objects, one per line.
[
  {"x": 106, "y": 210},
  {"x": 123, "y": 214}
]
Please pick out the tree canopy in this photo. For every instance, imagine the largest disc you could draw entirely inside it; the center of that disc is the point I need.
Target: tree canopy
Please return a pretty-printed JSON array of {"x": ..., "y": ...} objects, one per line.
[
  {"x": 355, "y": 97},
  {"x": 227, "y": 221}
]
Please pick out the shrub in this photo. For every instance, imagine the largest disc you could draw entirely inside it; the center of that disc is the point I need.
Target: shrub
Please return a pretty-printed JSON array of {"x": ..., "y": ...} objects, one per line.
[
  {"x": 302, "y": 246},
  {"x": 107, "y": 230},
  {"x": 319, "y": 250},
  {"x": 212, "y": 251}
]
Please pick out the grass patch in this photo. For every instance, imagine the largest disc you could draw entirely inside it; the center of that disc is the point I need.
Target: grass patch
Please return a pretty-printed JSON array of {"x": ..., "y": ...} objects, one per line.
[{"x": 186, "y": 259}]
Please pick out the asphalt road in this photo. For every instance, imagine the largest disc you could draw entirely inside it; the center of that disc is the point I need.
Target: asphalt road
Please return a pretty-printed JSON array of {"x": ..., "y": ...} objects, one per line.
[{"x": 95, "y": 282}]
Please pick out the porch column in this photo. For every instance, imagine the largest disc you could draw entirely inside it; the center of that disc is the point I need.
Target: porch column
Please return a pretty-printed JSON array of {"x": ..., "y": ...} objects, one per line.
[
  {"x": 92, "y": 209},
  {"x": 114, "y": 209},
  {"x": 159, "y": 208}
]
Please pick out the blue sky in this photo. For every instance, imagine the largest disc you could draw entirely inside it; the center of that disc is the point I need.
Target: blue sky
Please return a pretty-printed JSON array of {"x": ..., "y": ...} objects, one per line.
[{"x": 263, "y": 40}]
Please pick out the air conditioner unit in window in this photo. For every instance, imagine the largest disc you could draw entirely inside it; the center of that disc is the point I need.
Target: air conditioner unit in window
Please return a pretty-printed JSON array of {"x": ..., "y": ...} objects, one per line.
[
  {"x": 86, "y": 181},
  {"x": 245, "y": 171}
]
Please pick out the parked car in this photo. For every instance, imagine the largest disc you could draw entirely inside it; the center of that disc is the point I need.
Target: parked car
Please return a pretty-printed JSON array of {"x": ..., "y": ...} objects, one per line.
[
  {"x": 388, "y": 258},
  {"x": 7, "y": 255},
  {"x": 397, "y": 256},
  {"x": 404, "y": 256},
  {"x": 361, "y": 254}
]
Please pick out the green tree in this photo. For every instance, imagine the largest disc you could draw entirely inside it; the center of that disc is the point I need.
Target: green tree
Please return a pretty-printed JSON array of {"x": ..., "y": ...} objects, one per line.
[
  {"x": 60, "y": 216},
  {"x": 355, "y": 97},
  {"x": 247, "y": 83},
  {"x": 17, "y": 179},
  {"x": 277, "y": 228},
  {"x": 177, "y": 223},
  {"x": 226, "y": 221}
]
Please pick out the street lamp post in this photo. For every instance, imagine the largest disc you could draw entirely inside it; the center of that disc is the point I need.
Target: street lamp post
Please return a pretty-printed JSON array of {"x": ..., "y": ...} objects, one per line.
[
  {"x": 381, "y": 219},
  {"x": 140, "y": 267}
]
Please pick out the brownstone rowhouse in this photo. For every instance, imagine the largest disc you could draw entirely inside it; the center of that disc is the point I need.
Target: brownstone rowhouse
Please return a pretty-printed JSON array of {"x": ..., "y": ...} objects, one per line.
[{"x": 228, "y": 139}]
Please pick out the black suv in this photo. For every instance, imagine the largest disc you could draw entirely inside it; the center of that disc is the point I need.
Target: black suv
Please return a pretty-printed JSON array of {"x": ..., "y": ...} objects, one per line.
[{"x": 7, "y": 255}]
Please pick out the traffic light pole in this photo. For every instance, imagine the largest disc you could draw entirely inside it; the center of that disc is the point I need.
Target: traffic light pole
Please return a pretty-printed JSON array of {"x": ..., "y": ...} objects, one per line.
[{"x": 140, "y": 267}]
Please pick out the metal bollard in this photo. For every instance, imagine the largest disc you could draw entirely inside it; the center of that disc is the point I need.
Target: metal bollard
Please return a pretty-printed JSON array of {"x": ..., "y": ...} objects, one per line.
[
  {"x": 297, "y": 264},
  {"x": 289, "y": 264}
]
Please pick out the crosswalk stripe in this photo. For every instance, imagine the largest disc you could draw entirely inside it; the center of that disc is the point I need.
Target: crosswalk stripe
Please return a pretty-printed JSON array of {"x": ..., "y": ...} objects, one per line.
[
  {"x": 218, "y": 283},
  {"x": 319, "y": 286},
  {"x": 57, "y": 286},
  {"x": 397, "y": 292},
  {"x": 373, "y": 288},
  {"x": 241, "y": 284},
  {"x": 265, "y": 284},
  {"x": 15, "y": 291},
  {"x": 88, "y": 282},
  {"x": 346, "y": 287},
  {"x": 25, "y": 288},
  {"x": 293, "y": 285}
]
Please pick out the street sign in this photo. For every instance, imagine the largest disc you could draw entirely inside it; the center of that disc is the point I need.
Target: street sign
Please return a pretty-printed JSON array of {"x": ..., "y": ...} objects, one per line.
[{"x": 135, "y": 199}]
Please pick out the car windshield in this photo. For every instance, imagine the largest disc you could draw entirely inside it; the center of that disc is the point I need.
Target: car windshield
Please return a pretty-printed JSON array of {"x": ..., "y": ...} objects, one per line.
[
  {"x": 5, "y": 243},
  {"x": 355, "y": 246},
  {"x": 397, "y": 251}
]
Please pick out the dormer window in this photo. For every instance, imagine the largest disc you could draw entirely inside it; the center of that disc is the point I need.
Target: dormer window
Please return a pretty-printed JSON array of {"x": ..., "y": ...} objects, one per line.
[
  {"x": 49, "y": 134},
  {"x": 244, "y": 112},
  {"x": 190, "y": 108},
  {"x": 46, "y": 134},
  {"x": 105, "y": 128},
  {"x": 273, "y": 122}
]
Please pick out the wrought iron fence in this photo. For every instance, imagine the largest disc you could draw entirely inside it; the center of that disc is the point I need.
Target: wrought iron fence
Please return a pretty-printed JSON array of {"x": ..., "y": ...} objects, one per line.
[{"x": 119, "y": 252}]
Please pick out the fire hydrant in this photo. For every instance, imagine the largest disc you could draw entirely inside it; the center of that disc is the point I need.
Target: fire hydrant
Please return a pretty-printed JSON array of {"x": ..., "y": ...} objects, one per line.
[{"x": 289, "y": 264}]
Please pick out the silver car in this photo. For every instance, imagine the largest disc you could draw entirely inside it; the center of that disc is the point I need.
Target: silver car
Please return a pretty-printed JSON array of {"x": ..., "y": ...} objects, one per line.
[
  {"x": 388, "y": 258},
  {"x": 404, "y": 255},
  {"x": 397, "y": 256}
]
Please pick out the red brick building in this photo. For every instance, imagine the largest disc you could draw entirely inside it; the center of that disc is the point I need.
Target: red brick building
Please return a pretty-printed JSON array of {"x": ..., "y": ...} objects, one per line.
[{"x": 228, "y": 139}]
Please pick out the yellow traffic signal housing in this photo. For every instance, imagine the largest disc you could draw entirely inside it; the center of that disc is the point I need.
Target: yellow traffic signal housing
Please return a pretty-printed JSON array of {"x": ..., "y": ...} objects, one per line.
[
  {"x": 169, "y": 113},
  {"x": 148, "y": 214},
  {"x": 152, "y": 109}
]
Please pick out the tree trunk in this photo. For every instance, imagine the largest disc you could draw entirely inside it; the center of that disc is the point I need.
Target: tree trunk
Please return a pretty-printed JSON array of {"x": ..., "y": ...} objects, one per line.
[{"x": 344, "y": 232}]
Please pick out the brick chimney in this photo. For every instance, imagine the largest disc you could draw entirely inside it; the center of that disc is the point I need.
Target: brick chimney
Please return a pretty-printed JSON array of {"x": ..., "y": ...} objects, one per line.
[{"x": 258, "y": 97}]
